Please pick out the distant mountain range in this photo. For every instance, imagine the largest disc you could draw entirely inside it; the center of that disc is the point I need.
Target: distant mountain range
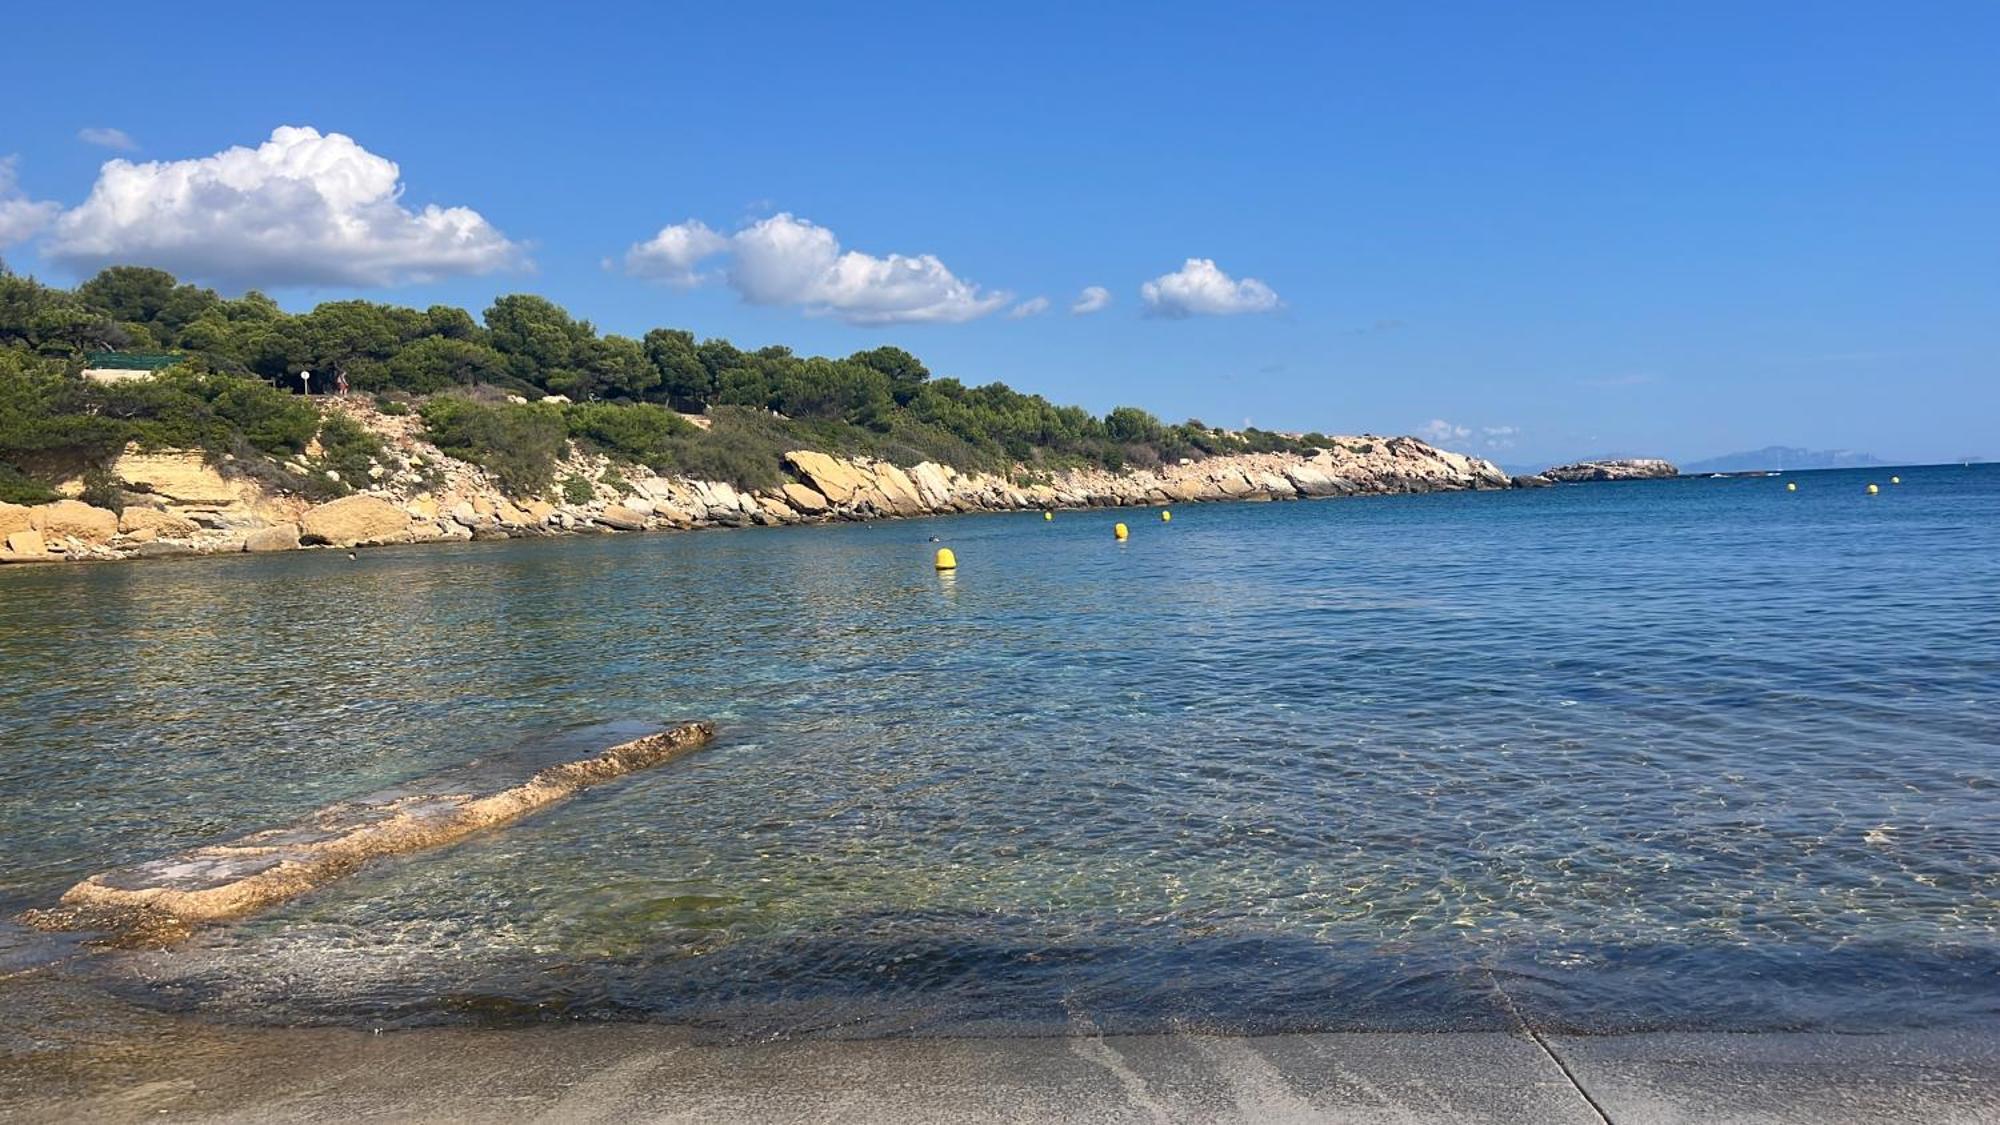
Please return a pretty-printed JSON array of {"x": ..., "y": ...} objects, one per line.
[{"x": 1783, "y": 457}]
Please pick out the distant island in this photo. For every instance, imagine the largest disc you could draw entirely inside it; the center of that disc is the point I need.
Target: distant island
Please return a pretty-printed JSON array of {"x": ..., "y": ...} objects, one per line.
[
  {"x": 1611, "y": 468},
  {"x": 1784, "y": 457}
]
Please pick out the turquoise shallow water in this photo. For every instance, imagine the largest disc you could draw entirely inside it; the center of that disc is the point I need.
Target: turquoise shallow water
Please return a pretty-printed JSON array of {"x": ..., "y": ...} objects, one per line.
[{"x": 1696, "y": 753}]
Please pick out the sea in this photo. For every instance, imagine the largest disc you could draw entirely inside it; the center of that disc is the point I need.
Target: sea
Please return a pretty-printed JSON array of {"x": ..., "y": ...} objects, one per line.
[{"x": 1683, "y": 754}]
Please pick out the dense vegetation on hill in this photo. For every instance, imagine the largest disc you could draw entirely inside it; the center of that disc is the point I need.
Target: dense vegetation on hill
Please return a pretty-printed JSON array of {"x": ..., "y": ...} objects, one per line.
[{"x": 236, "y": 391}]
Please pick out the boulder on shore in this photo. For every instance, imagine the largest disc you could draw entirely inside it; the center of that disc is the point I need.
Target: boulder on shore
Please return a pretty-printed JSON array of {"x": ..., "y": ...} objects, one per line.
[
  {"x": 164, "y": 525},
  {"x": 1623, "y": 468},
  {"x": 283, "y": 537},
  {"x": 26, "y": 545},
  {"x": 621, "y": 518},
  {"x": 76, "y": 520},
  {"x": 804, "y": 498},
  {"x": 354, "y": 520},
  {"x": 15, "y": 517},
  {"x": 837, "y": 480}
]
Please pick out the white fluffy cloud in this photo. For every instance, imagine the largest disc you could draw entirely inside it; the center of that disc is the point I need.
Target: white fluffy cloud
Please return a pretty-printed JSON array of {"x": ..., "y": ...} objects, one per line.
[
  {"x": 1092, "y": 299},
  {"x": 20, "y": 217},
  {"x": 303, "y": 208},
  {"x": 1488, "y": 439},
  {"x": 108, "y": 138},
  {"x": 672, "y": 254},
  {"x": 1033, "y": 306},
  {"x": 1199, "y": 288},
  {"x": 790, "y": 261},
  {"x": 1438, "y": 430}
]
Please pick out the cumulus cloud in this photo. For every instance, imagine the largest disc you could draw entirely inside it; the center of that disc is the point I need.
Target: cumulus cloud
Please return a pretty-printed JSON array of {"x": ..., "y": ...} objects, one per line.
[
  {"x": 1199, "y": 288},
  {"x": 1438, "y": 430},
  {"x": 1033, "y": 306},
  {"x": 788, "y": 261},
  {"x": 303, "y": 208},
  {"x": 20, "y": 217},
  {"x": 671, "y": 255},
  {"x": 108, "y": 138},
  {"x": 1092, "y": 299}
]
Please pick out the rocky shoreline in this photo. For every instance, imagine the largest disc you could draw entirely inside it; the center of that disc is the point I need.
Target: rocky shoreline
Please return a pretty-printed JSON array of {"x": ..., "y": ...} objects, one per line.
[
  {"x": 1621, "y": 468},
  {"x": 179, "y": 503}
]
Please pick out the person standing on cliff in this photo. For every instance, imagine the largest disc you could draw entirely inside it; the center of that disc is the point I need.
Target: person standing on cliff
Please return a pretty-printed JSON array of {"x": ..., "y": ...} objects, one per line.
[{"x": 340, "y": 383}]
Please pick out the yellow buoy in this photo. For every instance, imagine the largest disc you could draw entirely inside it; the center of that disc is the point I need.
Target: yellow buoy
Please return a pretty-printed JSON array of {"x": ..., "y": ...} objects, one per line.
[
  {"x": 1895, "y": 480},
  {"x": 1048, "y": 515},
  {"x": 946, "y": 560},
  {"x": 1120, "y": 531},
  {"x": 1166, "y": 517},
  {"x": 1873, "y": 489},
  {"x": 1791, "y": 486}
]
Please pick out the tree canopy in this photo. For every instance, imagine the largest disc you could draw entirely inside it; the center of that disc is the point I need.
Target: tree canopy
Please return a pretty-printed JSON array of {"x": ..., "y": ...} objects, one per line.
[{"x": 882, "y": 398}]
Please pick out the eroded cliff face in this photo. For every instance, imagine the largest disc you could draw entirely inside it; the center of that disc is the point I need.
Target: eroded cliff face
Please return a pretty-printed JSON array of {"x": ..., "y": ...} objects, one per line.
[{"x": 177, "y": 503}]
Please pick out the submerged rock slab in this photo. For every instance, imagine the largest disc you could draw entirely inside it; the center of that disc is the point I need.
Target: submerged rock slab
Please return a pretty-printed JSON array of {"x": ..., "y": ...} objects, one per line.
[{"x": 163, "y": 900}]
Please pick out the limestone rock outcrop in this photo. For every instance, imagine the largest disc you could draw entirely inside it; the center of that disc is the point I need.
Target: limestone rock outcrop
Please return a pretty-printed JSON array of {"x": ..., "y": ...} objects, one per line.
[
  {"x": 415, "y": 492},
  {"x": 621, "y": 518},
  {"x": 74, "y": 519},
  {"x": 839, "y": 481},
  {"x": 178, "y": 476},
  {"x": 1626, "y": 468},
  {"x": 26, "y": 545},
  {"x": 804, "y": 498},
  {"x": 354, "y": 520},
  {"x": 281, "y": 537},
  {"x": 15, "y": 517},
  {"x": 163, "y": 525}
]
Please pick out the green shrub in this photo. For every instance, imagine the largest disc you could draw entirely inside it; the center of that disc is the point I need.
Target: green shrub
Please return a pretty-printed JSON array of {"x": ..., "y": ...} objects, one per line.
[
  {"x": 738, "y": 458},
  {"x": 101, "y": 491},
  {"x": 576, "y": 490},
  {"x": 18, "y": 488},
  {"x": 348, "y": 448},
  {"x": 519, "y": 445},
  {"x": 638, "y": 432},
  {"x": 184, "y": 409}
]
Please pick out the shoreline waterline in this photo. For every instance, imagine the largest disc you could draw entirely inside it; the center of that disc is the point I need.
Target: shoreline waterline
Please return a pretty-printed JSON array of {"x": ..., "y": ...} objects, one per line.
[{"x": 184, "y": 1069}]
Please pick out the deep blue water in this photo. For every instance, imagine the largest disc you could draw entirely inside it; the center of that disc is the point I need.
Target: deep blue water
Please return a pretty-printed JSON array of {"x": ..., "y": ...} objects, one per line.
[{"x": 1697, "y": 753}]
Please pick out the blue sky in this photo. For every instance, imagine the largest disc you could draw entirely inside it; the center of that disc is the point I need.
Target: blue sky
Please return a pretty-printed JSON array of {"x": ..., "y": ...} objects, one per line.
[{"x": 1553, "y": 230}]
